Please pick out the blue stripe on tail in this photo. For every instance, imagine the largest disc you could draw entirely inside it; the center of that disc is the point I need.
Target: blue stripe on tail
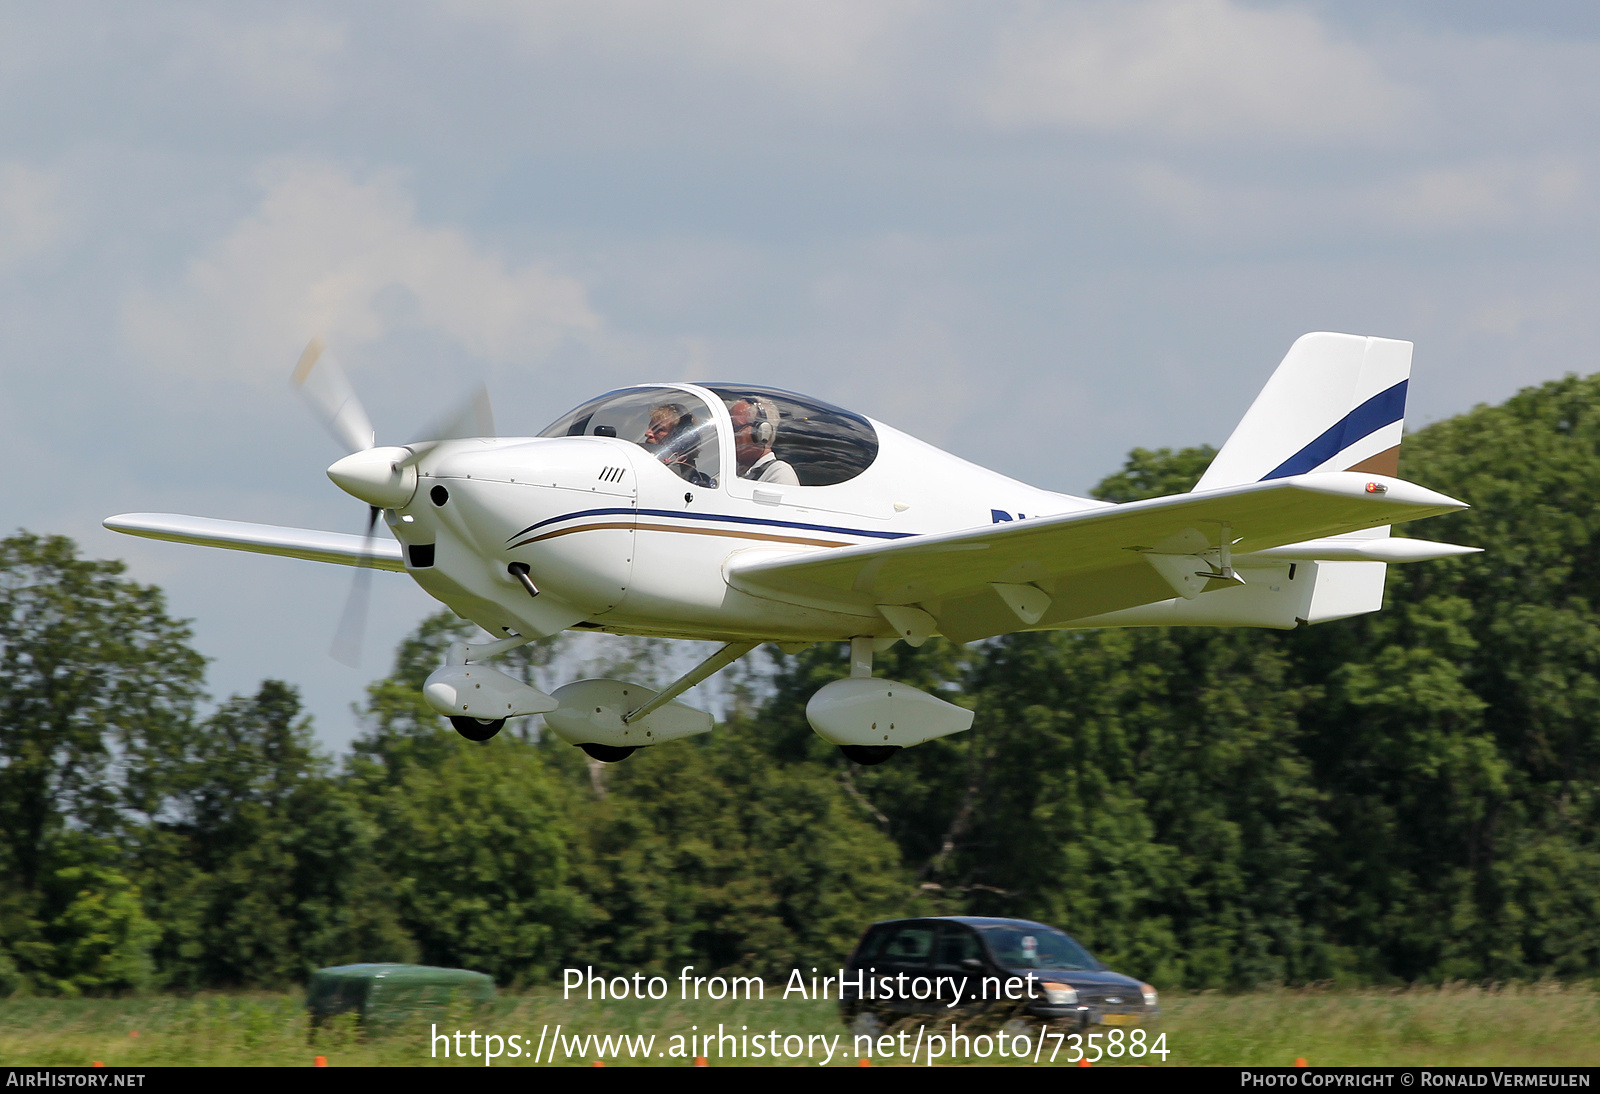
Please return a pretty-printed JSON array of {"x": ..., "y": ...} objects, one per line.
[{"x": 1382, "y": 409}]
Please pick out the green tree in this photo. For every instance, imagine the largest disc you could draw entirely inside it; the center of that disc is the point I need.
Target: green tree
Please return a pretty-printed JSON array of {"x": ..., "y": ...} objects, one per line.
[
  {"x": 710, "y": 853},
  {"x": 269, "y": 866},
  {"x": 481, "y": 841},
  {"x": 97, "y": 695},
  {"x": 1155, "y": 474},
  {"x": 1461, "y": 742},
  {"x": 99, "y": 936},
  {"x": 483, "y": 849}
]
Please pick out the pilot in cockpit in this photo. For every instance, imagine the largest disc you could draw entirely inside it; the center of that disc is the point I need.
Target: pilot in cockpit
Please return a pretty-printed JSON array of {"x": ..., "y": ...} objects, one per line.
[
  {"x": 666, "y": 420},
  {"x": 671, "y": 435},
  {"x": 755, "y": 428}
]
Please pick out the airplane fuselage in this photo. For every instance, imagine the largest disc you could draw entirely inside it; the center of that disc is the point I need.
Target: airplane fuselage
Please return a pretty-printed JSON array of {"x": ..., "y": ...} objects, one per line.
[{"x": 616, "y": 540}]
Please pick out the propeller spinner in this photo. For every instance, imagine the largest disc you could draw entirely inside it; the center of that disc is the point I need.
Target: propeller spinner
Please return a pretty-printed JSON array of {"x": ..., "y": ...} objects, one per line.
[{"x": 383, "y": 477}]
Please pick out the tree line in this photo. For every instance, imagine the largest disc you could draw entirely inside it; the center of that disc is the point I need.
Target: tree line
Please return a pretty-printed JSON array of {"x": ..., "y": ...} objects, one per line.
[{"x": 1406, "y": 796}]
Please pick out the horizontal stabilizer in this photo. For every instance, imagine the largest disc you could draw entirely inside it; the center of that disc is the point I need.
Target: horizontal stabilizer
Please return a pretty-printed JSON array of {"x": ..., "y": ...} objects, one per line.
[{"x": 263, "y": 539}]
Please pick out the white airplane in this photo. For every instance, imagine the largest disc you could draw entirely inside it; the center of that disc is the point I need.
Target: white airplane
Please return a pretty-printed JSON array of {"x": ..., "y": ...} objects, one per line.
[{"x": 745, "y": 515}]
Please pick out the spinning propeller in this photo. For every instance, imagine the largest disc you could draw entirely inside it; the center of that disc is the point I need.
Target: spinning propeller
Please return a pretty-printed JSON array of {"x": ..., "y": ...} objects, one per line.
[{"x": 383, "y": 477}]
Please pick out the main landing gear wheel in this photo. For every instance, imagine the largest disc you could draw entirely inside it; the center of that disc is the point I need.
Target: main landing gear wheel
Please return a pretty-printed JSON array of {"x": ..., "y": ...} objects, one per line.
[
  {"x": 476, "y": 729},
  {"x": 868, "y": 755},
  {"x": 609, "y": 754}
]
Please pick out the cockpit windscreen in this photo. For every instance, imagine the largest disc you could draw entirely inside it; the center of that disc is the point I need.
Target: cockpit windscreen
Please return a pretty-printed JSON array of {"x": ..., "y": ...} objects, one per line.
[{"x": 675, "y": 427}]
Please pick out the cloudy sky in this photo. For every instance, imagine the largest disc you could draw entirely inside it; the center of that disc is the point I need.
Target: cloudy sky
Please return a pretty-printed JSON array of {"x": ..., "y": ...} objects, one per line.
[{"x": 1036, "y": 234}]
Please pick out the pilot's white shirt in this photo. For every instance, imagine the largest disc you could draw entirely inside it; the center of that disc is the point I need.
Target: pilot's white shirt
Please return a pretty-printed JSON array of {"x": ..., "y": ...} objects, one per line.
[{"x": 771, "y": 469}]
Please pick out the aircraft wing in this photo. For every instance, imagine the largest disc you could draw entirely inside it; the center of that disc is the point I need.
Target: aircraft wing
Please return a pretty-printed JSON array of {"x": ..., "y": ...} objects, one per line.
[
  {"x": 1046, "y": 571},
  {"x": 263, "y": 539}
]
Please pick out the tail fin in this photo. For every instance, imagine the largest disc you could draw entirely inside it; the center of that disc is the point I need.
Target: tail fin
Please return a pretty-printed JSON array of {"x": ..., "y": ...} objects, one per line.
[{"x": 1336, "y": 403}]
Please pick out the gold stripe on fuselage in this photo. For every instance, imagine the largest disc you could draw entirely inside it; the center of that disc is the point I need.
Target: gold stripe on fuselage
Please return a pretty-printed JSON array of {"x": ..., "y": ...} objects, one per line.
[{"x": 724, "y": 532}]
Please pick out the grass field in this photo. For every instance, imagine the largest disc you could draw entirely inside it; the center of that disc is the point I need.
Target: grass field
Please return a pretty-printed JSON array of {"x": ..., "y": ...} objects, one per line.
[{"x": 1545, "y": 1025}]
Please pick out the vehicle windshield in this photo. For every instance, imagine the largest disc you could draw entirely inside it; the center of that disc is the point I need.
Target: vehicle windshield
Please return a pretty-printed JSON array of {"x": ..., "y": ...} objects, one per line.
[
  {"x": 1032, "y": 947},
  {"x": 676, "y": 427}
]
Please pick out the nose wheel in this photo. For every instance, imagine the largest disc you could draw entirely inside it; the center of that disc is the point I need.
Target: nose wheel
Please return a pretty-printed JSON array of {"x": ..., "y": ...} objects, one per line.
[
  {"x": 476, "y": 729},
  {"x": 608, "y": 754}
]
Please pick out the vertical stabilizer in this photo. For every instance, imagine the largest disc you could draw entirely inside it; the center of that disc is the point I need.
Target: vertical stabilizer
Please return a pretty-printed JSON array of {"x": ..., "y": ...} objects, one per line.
[{"x": 1336, "y": 403}]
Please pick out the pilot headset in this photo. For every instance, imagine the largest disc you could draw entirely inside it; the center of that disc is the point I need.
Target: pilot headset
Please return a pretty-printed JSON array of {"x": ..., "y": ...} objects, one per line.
[{"x": 763, "y": 430}]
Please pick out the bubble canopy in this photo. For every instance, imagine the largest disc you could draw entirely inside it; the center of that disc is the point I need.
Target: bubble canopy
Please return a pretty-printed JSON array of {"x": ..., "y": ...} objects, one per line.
[{"x": 824, "y": 444}]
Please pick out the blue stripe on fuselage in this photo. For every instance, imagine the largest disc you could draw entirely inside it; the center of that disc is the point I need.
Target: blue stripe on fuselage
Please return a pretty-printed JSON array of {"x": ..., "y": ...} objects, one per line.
[
  {"x": 1382, "y": 409},
  {"x": 759, "y": 521}
]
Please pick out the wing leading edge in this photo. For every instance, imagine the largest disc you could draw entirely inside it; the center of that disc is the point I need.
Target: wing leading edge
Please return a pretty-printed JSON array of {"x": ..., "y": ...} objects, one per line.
[
  {"x": 1046, "y": 572},
  {"x": 263, "y": 539}
]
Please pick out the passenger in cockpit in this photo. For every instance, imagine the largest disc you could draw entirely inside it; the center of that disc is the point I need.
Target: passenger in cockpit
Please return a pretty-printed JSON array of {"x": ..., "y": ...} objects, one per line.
[{"x": 755, "y": 428}]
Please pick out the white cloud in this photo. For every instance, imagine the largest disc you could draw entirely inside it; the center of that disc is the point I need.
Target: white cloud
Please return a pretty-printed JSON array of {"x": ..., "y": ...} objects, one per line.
[
  {"x": 1190, "y": 69},
  {"x": 327, "y": 252},
  {"x": 1186, "y": 70}
]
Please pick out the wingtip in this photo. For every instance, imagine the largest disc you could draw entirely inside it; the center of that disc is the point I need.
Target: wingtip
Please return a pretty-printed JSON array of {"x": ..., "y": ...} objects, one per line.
[{"x": 1379, "y": 488}]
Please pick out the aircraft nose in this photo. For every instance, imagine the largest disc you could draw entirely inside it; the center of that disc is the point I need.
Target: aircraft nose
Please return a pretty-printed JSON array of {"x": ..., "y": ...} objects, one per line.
[{"x": 377, "y": 476}]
